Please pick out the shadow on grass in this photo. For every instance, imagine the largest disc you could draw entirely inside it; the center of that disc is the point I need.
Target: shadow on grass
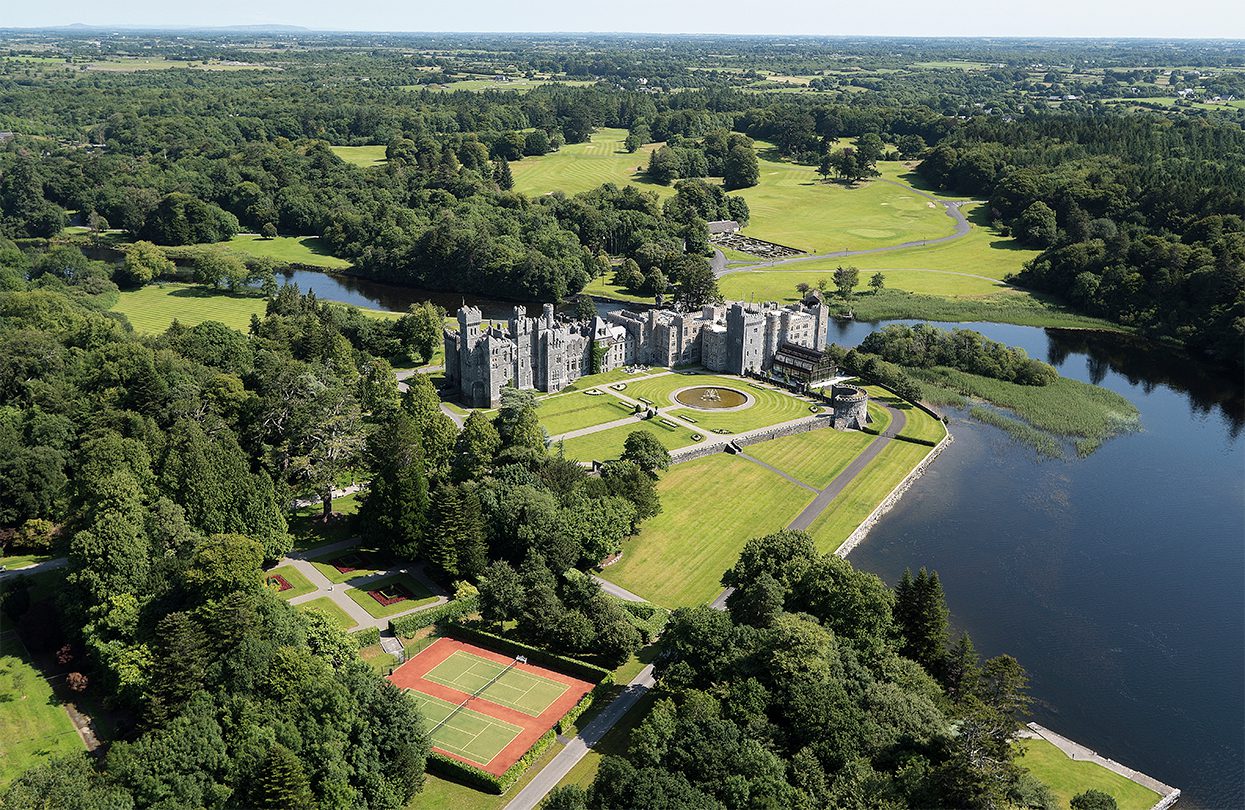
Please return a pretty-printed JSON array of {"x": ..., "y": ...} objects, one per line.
[{"x": 198, "y": 291}]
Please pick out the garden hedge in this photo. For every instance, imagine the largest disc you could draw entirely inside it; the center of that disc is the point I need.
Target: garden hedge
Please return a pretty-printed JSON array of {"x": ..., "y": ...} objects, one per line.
[
  {"x": 407, "y": 626},
  {"x": 367, "y": 637},
  {"x": 571, "y": 666},
  {"x": 472, "y": 776}
]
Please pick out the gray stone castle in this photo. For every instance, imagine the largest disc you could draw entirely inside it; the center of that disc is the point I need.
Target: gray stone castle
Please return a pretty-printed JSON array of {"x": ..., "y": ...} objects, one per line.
[{"x": 547, "y": 353}]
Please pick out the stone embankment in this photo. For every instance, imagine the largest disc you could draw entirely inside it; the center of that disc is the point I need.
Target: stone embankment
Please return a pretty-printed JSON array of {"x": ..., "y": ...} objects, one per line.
[{"x": 1168, "y": 795}]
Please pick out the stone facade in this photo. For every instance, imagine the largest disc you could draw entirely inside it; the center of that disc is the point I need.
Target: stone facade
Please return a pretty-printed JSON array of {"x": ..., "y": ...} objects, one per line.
[
  {"x": 547, "y": 354},
  {"x": 851, "y": 407}
]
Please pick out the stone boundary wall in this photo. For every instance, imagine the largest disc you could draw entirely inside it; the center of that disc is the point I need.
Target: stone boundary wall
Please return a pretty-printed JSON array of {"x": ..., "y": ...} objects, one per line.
[
  {"x": 888, "y": 503},
  {"x": 715, "y": 443},
  {"x": 1075, "y": 751}
]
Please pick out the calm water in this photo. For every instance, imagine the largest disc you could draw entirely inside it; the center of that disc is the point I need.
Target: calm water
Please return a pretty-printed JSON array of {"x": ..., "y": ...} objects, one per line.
[{"x": 1118, "y": 580}]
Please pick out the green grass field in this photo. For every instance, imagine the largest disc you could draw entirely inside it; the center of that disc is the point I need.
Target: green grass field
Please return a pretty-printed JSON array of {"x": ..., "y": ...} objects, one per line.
[
  {"x": 710, "y": 508},
  {"x": 815, "y": 457},
  {"x": 305, "y": 250},
  {"x": 366, "y": 566},
  {"x": 469, "y": 734},
  {"x": 607, "y": 444},
  {"x": 152, "y": 308},
  {"x": 362, "y": 156},
  {"x": 792, "y": 206},
  {"x": 513, "y": 688},
  {"x": 1068, "y": 777},
  {"x": 565, "y": 412},
  {"x": 419, "y": 596},
  {"x": 864, "y": 493},
  {"x": 34, "y": 728},
  {"x": 918, "y": 424},
  {"x": 326, "y": 607},
  {"x": 779, "y": 284},
  {"x": 580, "y": 167},
  {"x": 768, "y": 408},
  {"x": 1023, "y": 309},
  {"x": 657, "y": 390},
  {"x": 299, "y": 584}
]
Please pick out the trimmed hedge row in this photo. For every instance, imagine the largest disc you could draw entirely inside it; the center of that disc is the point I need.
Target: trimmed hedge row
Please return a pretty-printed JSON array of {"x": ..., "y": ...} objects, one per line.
[
  {"x": 649, "y": 619},
  {"x": 407, "y": 626},
  {"x": 535, "y": 655},
  {"x": 367, "y": 637},
  {"x": 480, "y": 779}
]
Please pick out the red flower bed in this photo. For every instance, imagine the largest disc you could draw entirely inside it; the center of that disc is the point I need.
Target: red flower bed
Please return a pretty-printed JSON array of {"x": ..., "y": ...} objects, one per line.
[
  {"x": 351, "y": 562},
  {"x": 281, "y": 582},
  {"x": 390, "y": 594}
]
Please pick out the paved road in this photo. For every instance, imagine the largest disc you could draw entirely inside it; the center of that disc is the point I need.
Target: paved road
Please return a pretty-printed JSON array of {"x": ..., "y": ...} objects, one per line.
[
  {"x": 823, "y": 499},
  {"x": 617, "y": 590},
  {"x": 950, "y": 208},
  {"x": 37, "y": 568},
  {"x": 549, "y": 776}
]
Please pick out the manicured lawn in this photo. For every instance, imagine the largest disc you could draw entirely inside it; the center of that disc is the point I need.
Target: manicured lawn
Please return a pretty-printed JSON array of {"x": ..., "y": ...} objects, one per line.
[
  {"x": 584, "y": 166},
  {"x": 779, "y": 284},
  {"x": 419, "y": 596},
  {"x": 565, "y": 412},
  {"x": 1068, "y": 777},
  {"x": 371, "y": 563},
  {"x": 379, "y": 660},
  {"x": 310, "y": 530},
  {"x": 918, "y": 424},
  {"x": 34, "y": 728},
  {"x": 152, "y": 308},
  {"x": 864, "y": 493},
  {"x": 16, "y": 561},
  {"x": 768, "y": 408},
  {"x": 657, "y": 390},
  {"x": 299, "y": 584},
  {"x": 603, "y": 287},
  {"x": 710, "y": 508},
  {"x": 306, "y": 250},
  {"x": 326, "y": 607},
  {"x": 363, "y": 156},
  {"x": 815, "y": 457},
  {"x": 608, "y": 444},
  {"x": 792, "y": 206},
  {"x": 880, "y": 418},
  {"x": 439, "y": 793}
]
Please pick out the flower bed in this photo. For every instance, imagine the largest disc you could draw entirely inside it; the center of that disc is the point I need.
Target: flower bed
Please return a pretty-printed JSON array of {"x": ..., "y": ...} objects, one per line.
[
  {"x": 279, "y": 582},
  {"x": 390, "y": 594},
  {"x": 351, "y": 562}
]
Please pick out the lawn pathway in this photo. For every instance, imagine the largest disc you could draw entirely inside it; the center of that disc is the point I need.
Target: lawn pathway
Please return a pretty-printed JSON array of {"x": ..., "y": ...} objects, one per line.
[{"x": 536, "y": 790}]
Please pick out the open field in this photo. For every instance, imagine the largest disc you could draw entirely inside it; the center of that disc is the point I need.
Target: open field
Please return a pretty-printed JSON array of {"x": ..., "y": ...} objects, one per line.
[
  {"x": 152, "y": 308},
  {"x": 918, "y": 424},
  {"x": 1067, "y": 777},
  {"x": 864, "y": 493},
  {"x": 580, "y": 167},
  {"x": 299, "y": 584},
  {"x": 362, "y": 156},
  {"x": 328, "y": 608},
  {"x": 34, "y": 728},
  {"x": 517, "y": 84},
  {"x": 1024, "y": 309},
  {"x": 779, "y": 284},
  {"x": 127, "y": 65},
  {"x": 565, "y": 412},
  {"x": 309, "y": 530},
  {"x": 302, "y": 250},
  {"x": 419, "y": 595},
  {"x": 607, "y": 444},
  {"x": 793, "y": 206},
  {"x": 769, "y": 408},
  {"x": 710, "y": 508},
  {"x": 815, "y": 457}
]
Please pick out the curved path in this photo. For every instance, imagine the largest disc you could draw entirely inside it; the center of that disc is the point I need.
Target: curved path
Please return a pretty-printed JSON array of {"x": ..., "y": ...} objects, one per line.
[{"x": 950, "y": 208}]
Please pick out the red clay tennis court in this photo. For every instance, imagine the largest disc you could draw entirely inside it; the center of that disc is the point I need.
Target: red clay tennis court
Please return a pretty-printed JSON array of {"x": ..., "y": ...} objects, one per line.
[{"x": 485, "y": 708}]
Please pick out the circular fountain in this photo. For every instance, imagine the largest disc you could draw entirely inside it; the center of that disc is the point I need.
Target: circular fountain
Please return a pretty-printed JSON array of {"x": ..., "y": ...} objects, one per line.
[{"x": 712, "y": 398}]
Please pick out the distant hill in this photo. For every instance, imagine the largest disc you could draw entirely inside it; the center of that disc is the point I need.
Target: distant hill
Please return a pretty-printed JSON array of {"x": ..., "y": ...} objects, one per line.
[{"x": 262, "y": 27}]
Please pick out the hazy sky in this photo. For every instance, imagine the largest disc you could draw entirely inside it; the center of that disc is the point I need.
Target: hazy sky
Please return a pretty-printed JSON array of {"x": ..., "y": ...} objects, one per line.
[{"x": 1123, "y": 18}]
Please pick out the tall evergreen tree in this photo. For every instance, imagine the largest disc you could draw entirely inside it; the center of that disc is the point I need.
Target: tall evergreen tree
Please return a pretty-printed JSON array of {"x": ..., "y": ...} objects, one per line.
[
  {"x": 921, "y": 615},
  {"x": 474, "y": 448},
  {"x": 396, "y": 505},
  {"x": 436, "y": 430},
  {"x": 517, "y": 423},
  {"x": 501, "y": 173},
  {"x": 282, "y": 782}
]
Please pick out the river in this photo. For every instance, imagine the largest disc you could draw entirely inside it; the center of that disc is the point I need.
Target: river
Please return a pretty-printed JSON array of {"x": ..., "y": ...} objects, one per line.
[{"x": 1117, "y": 580}]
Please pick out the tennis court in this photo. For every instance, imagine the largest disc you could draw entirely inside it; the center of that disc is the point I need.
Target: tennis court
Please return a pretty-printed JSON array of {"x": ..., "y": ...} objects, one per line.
[
  {"x": 482, "y": 707},
  {"x": 498, "y": 683},
  {"x": 473, "y": 736}
]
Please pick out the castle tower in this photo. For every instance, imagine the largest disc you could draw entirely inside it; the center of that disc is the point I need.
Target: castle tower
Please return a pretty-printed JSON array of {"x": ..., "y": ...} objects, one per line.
[{"x": 525, "y": 348}]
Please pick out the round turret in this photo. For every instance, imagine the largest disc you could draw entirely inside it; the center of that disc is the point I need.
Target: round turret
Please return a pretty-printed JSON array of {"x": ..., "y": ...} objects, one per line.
[{"x": 851, "y": 406}]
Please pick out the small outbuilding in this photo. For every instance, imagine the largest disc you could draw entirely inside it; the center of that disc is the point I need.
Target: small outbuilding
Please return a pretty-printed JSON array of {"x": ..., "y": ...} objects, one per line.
[{"x": 721, "y": 226}]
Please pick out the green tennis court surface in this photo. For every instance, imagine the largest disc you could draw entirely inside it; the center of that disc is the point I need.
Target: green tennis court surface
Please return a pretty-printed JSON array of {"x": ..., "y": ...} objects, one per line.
[
  {"x": 515, "y": 689},
  {"x": 468, "y": 734}
]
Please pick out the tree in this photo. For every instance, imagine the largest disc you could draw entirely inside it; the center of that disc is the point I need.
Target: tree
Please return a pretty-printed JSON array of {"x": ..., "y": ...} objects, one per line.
[
  {"x": 501, "y": 593},
  {"x": 827, "y": 165},
  {"x": 869, "y": 148},
  {"x": 921, "y": 616},
  {"x": 212, "y": 267},
  {"x": 1036, "y": 225},
  {"x": 697, "y": 287},
  {"x": 536, "y": 143},
  {"x": 517, "y": 424},
  {"x": 502, "y": 175},
  {"x": 144, "y": 261},
  {"x": 568, "y": 797},
  {"x": 1093, "y": 800},
  {"x": 585, "y": 310},
  {"x": 646, "y": 452},
  {"x": 282, "y": 782},
  {"x": 419, "y": 330},
  {"x": 876, "y": 282},
  {"x": 474, "y": 448},
  {"x": 845, "y": 280},
  {"x": 96, "y": 223},
  {"x": 395, "y": 509},
  {"x": 223, "y": 564},
  {"x": 910, "y": 146},
  {"x": 268, "y": 230},
  {"x": 740, "y": 169},
  {"x": 628, "y": 480},
  {"x": 628, "y": 275}
]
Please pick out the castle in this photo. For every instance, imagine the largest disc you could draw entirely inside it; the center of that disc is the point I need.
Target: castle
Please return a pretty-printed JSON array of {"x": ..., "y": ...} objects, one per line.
[{"x": 547, "y": 354}]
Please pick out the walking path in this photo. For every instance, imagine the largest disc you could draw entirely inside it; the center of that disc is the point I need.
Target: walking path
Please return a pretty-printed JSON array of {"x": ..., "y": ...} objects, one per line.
[
  {"x": 575, "y": 750},
  {"x": 774, "y": 469},
  {"x": 951, "y": 208},
  {"x": 617, "y": 590},
  {"x": 337, "y": 591},
  {"x": 1076, "y": 751}
]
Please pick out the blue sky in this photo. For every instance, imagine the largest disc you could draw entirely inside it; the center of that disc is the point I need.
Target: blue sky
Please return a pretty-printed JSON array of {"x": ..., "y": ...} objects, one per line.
[{"x": 1123, "y": 18}]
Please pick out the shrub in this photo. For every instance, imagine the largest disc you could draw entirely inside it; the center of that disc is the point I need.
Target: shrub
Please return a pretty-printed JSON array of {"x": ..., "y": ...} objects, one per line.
[
  {"x": 367, "y": 637},
  {"x": 407, "y": 626}
]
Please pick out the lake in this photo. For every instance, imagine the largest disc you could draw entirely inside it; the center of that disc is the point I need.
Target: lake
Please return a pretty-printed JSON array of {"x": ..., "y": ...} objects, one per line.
[{"x": 1116, "y": 580}]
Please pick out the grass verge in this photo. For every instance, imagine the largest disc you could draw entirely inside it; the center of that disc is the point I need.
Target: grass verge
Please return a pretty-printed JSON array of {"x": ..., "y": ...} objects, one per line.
[
  {"x": 326, "y": 607},
  {"x": 299, "y": 584},
  {"x": 815, "y": 457},
  {"x": 1067, "y": 777},
  {"x": 419, "y": 596}
]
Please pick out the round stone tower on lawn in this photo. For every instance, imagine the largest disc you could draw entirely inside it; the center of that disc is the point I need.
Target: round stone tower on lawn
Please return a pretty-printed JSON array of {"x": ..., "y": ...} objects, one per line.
[{"x": 851, "y": 407}]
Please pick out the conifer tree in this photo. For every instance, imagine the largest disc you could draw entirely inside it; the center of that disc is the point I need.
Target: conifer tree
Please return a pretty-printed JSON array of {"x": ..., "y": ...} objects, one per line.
[
  {"x": 962, "y": 674},
  {"x": 396, "y": 505},
  {"x": 501, "y": 173},
  {"x": 283, "y": 782},
  {"x": 921, "y": 615}
]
